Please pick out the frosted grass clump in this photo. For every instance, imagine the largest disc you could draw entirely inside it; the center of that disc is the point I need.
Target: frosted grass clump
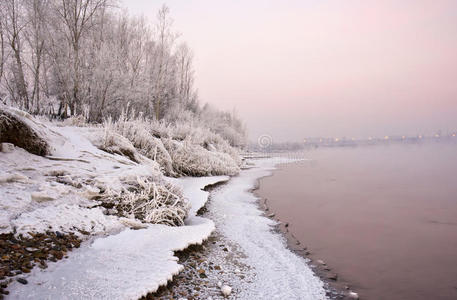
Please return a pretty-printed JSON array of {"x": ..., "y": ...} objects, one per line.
[
  {"x": 194, "y": 160},
  {"x": 179, "y": 148},
  {"x": 150, "y": 200},
  {"x": 138, "y": 131},
  {"x": 115, "y": 143}
]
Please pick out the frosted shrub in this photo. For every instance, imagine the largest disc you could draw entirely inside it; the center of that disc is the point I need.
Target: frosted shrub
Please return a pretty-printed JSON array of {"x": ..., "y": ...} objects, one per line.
[
  {"x": 117, "y": 144},
  {"x": 180, "y": 148},
  {"x": 150, "y": 200},
  {"x": 139, "y": 133},
  {"x": 78, "y": 121},
  {"x": 194, "y": 160}
]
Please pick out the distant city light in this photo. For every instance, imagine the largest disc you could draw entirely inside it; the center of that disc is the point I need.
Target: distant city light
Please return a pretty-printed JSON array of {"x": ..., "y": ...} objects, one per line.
[
  {"x": 386, "y": 137},
  {"x": 370, "y": 138},
  {"x": 420, "y": 136},
  {"x": 403, "y": 137},
  {"x": 353, "y": 139},
  {"x": 453, "y": 134},
  {"x": 337, "y": 139},
  {"x": 437, "y": 135},
  {"x": 304, "y": 141}
]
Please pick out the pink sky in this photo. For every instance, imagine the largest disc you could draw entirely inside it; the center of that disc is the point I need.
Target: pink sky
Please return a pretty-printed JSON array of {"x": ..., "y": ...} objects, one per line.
[{"x": 294, "y": 69}]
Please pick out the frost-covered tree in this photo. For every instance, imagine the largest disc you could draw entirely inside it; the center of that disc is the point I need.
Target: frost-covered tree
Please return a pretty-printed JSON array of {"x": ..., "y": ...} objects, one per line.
[
  {"x": 13, "y": 25},
  {"x": 76, "y": 18},
  {"x": 89, "y": 58},
  {"x": 35, "y": 37}
]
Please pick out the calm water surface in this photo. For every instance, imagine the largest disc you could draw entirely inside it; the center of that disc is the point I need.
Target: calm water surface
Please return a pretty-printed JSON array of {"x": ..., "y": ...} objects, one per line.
[{"x": 383, "y": 217}]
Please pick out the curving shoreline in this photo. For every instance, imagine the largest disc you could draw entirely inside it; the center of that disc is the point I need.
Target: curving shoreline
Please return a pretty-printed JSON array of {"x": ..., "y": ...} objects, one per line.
[{"x": 336, "y": 287}]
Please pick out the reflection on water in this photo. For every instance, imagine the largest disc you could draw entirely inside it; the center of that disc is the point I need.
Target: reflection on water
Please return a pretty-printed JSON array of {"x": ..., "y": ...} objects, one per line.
[{"x": 383, "y": 217}]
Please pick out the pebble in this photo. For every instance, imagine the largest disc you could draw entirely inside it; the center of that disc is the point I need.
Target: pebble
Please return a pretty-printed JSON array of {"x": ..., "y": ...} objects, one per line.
[
  {"x": 20, "y": 254},
  {"x": 333, "y": 276},
  {"x": 226, "y": 290},
  {"x": 353, "y": 295},
  {"x": 321, "y": 262},
  {"x": 30, "y": 249}
]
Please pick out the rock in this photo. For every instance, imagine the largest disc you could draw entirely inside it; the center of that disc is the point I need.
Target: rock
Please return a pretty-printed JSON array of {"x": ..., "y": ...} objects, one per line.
[
  {"x": 226, "y": 290},
  {"x": 16, "y": 128},
  {"x": 219, "y": 284},
  {"x": 22, "y": 280},
  {"x": 31, "y": 249},
  {"x": 41, "y": 197},
  {"x": 271, "y": 215},
  {"x": 332, "y": 276},
  {"x": 321, "y": 262},
  {"x": 13, "y": 178},
  {"x": 134, "y": 224},
  {"x": 286, "y": 225},
  {"x": 6, "y": 147},
  {"x": 353, "y": 295}
]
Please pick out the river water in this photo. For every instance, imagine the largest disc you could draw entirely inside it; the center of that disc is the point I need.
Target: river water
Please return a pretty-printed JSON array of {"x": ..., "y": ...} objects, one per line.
[{"x": 384, "y": 218}]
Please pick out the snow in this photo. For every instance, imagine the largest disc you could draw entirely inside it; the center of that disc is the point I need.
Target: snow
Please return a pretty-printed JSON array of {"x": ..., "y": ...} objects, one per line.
[
  {"x": 197, "y": 197},
  {"x": 123, "y": 266},
  {"x": 127, "y": 265},
  {"x": 33, "y": 187},
  {"x": 65, "y": 217},
  {"x": 279, "y": 273},
  {"x": 56, "y": 192}
]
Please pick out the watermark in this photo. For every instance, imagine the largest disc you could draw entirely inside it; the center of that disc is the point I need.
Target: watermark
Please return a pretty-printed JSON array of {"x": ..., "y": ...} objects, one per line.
[{"x": 265, "y": 141}]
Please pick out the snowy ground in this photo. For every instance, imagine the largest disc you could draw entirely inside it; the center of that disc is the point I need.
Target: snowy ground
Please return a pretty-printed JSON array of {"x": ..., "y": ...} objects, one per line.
[
  {"x": 56, "y": 193},
  {"x": 278, "y": 273},
  {"x": 40, "y": 194},
  {"x": 254, "y": 262},
  {"x": 127, "y": 265},
  {"x": 245, "y": 252}
]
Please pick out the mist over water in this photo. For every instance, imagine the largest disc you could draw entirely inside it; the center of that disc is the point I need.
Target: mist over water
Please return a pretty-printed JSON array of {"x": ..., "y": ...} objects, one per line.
[{"x": 383, "y": 217}]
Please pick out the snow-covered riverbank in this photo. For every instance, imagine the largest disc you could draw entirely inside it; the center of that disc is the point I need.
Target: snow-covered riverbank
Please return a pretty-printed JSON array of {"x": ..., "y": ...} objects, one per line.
[
  {"x": 102, "y": 211},
  {"x": 278, "y": 273},
  {"x": 127, "y": 265}
]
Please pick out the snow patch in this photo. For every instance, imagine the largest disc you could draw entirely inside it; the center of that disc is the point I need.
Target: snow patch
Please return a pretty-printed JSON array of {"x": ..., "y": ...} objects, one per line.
[
  {"x": 127, "y": 265},
  {"x": 280, "y": 274},
  {"x": 66, "y": 217},
  {"x": 192, "y": 188}
]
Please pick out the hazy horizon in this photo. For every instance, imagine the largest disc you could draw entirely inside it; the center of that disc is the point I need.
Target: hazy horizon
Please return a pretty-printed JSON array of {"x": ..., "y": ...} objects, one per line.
[{"x": 323, "y": 68}]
